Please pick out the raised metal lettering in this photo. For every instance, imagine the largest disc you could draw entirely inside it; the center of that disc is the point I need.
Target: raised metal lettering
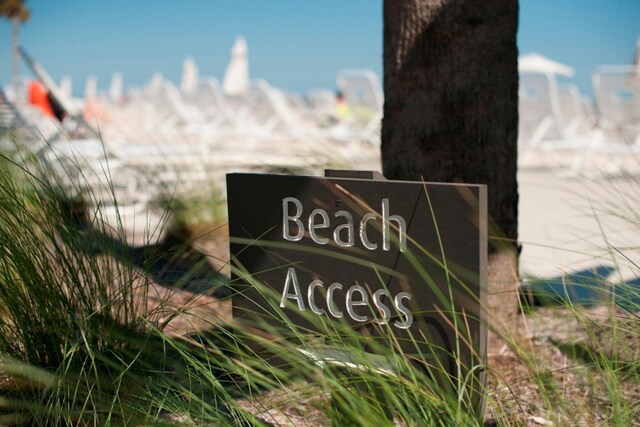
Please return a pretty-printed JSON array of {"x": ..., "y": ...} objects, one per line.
[
  {"x": 386, "y": 232},
  {"x": 382, "y": 308},
  {"x": 350, "y": 303},
  {"x": 397, "y": 301},
  {"x": 292, "y": 279},
  {"x": 346, "y": 226},
  {"x": 286, "y": 219},
  {"x": 363, "y": 231},
  {"x": 313, "y": 226},
  {"x": 330, "y": 305},
  {"x": 311, "y": 296}
]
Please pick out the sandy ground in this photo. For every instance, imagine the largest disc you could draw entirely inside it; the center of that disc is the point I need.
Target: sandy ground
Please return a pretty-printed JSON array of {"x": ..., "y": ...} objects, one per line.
[{"x": 567, "y": 223}]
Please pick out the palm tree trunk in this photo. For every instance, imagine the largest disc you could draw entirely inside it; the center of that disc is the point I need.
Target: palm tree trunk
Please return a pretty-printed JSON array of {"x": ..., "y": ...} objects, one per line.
[
  {"x": 451, "y": 97},
  {"x": 15, "y": 57},
  {"x": 451, "y": 113}
]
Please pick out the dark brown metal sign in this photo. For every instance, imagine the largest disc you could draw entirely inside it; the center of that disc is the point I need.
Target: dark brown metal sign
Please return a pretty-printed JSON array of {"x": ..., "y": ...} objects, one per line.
[{"x": 397, "y": 258}]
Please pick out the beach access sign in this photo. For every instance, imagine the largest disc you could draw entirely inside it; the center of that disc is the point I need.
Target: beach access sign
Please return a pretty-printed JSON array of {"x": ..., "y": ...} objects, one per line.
[{"x": 390, "y": 258}]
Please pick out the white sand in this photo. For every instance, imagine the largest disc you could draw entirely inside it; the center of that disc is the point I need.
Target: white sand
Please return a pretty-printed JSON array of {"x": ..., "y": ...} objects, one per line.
[{"x": 570, "y": 223}]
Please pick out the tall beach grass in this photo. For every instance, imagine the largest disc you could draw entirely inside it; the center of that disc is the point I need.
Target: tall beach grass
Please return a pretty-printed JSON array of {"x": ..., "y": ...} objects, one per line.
[{"x": 80, "y": 345}]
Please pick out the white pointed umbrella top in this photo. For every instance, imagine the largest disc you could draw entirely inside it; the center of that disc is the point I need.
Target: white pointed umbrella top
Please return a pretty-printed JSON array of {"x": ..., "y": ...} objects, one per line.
[
  {"x": 536, "y": 63},
  {"x": 236, "y": 77},
  {"x": 239, "y": 49},
  {"x": 190, "y": 77}
]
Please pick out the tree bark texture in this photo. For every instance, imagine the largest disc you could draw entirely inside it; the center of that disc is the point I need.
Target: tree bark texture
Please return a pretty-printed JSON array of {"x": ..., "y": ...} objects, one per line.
[
  {"x": 451, "y": 97},
  {"x": 15, "y": 55}
]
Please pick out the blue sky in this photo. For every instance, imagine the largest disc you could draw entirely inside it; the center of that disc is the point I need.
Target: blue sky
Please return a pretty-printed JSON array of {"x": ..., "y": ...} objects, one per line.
[{"x": 296, "y": 45}]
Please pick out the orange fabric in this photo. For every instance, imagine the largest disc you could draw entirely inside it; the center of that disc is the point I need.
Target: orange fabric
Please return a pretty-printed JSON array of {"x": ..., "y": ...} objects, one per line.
[{"x": 38, "y": 97}]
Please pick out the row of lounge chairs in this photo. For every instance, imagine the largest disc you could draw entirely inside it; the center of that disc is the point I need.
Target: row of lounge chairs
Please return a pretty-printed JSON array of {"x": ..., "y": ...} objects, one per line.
[
  {"x": 165, "y": 141},
  {"x": 561, "y": 129},
  {"x": 162, "y": 142}
]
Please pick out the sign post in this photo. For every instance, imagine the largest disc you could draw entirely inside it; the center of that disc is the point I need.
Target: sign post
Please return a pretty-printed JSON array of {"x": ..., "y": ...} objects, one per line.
[{"x": 396, "y": 259}]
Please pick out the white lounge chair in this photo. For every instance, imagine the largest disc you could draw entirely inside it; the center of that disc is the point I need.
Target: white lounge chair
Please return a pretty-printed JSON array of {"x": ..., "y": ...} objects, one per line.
[{"x": 617, "y": 91}]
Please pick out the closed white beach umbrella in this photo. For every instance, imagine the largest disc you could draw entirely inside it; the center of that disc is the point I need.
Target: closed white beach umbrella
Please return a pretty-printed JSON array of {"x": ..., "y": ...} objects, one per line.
[
  {"x": 189, "y": 82},
  {"x": 236, "y": 77}
]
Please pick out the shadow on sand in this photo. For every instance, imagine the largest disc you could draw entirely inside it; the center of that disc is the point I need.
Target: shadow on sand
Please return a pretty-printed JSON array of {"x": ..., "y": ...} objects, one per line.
[
  {"x": 172, "y": 262},
  {"x": 588, "y": 287}
]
